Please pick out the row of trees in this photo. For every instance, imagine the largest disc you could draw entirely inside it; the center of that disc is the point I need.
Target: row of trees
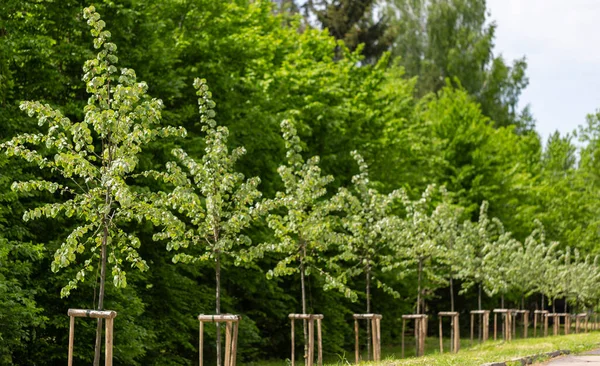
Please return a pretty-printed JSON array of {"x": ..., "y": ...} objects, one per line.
[
  {"x": 368, "y": 231},
  {"x": 210, "y": 205}
]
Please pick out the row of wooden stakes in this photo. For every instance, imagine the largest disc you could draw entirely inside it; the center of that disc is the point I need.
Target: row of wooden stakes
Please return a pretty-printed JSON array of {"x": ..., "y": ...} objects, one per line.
[
  {"x": 231, "y": 334},
  {"x": 508, "y": 321},
  {"x": 508, "y": 328}
]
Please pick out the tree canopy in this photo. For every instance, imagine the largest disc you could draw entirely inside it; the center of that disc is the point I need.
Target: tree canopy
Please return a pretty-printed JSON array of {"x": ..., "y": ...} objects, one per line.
[{"x": 338, "y": 175}]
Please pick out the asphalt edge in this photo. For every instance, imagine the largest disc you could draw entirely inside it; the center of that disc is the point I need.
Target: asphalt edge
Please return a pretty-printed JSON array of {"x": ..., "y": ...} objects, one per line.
[{"x": 528, "y": 360}]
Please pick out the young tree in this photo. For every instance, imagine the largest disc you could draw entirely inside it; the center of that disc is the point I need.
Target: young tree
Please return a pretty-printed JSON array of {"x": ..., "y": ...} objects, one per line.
[
  {"x": 520, "y": 271},
  {"x": 585, "y": 280},
  {"x": 423, "y": 235},
  {"x": 302, "y": 229},
  {"x": 449, "y": 230},
  {"x": 566, "y": 277},
  {"x": 553, "y": 285},
  {"x": 471, "y": 246},
  {"x": 96, "y": 157},
  {"x": 365, "y": 246},
  {"x": 497, "y": 262},
  {"x": 540, "y": 259},
  {"x": 218, "y": 202}
]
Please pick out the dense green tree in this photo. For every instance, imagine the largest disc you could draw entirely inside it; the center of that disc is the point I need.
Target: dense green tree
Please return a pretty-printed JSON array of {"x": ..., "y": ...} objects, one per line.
[
  {"x": 356, "y": 22},
  {"x": 20, "y": 312},
  {"x": 438, "y": 40},
  {"x": 421, "y": 243},
  {"x": 123, "y": 117}
]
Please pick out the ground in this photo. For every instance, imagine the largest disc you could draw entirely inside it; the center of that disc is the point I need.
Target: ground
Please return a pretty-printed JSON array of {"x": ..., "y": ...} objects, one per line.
[
  {"x": 478, "y": 354},
  {"x": 587, "y": 358}
]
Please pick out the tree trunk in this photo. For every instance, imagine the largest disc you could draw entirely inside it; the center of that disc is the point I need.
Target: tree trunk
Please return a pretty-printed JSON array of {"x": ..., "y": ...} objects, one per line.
[
  {"x": 106, "y": 146},
  {"x": 543, "y": 305},
  {"x": 98, "y": 345},
  {"x": 523, "y": 302},
  {"x": 451, "y": 294},
  {"x": 481, "y": 325},
  {"x": 565, "y": 305},
  {"x": 479, "y": 297},
  {"x": 554, "y": 306},
  {"x": 502, "y": 307},
  {"x": 452, "y": 309},
  {"x": 368, "y": 274},
  {"x": 218, "y": 303},
  {"x": 304, "y": 327}
]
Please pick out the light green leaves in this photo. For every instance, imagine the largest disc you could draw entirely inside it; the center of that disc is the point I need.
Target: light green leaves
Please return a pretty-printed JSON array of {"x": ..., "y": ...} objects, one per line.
[
  {"x": 302, "y": 224},
  {"x": 120, "y": 118},
  {"x": 364, "y": 242},
  {"x": 218, "y": 201}
]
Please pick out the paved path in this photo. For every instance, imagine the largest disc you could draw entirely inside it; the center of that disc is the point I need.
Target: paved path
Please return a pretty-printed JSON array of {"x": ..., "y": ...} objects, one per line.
[{"x": 586, "y": 359}]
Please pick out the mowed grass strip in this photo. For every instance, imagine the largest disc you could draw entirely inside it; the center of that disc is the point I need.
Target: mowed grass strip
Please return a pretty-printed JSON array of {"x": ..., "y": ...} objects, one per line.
[{"x": 491, "y": 351}]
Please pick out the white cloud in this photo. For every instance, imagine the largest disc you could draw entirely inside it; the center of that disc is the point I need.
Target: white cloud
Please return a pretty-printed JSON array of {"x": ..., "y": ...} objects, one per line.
[{"x": 560, "y": 40}]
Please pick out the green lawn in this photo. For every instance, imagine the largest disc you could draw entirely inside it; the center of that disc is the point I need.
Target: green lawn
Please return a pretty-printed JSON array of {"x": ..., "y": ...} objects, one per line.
[{"x": 476, "y": 355}]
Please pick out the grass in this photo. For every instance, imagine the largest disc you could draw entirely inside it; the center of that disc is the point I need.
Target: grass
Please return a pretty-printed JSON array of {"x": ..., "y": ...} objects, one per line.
[{"x": 478, "y": 354}]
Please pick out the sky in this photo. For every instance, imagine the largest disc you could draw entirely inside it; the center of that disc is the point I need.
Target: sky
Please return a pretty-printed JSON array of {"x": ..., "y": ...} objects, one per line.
[{"x": 561, "y": 42}]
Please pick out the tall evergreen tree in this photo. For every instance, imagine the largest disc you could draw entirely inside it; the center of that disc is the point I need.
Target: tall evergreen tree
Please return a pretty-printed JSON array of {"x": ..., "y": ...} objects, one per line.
[{"x": 355, "y": 22}]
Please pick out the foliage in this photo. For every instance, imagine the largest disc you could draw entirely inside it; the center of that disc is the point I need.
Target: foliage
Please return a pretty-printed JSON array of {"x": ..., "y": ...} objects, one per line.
[
  {"x": 438, "y": 40},
  {"x": 367, "y": 223},
  {"x": 303, "y": 230},
  {"x": 353, "y": 22},
  {"x": 444, "y": 114},
  {"x": 122, "y": 117}
]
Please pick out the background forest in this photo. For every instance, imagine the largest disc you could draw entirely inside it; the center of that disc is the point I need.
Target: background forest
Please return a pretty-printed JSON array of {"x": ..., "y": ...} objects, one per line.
[{"x": 414, "y": 86}]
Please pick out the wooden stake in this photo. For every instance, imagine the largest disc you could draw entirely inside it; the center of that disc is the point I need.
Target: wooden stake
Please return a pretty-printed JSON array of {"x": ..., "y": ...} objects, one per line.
[
  {"x": 423, "y": 336},
  {"x": 441, "y": 342},
  {"x": 356, "y": 344},
  {"x": 456, "y": 334},
  {"x": 109, "y": 315},
  {"x": 403, "y": 328},
  {"x": 378, "y": 339},
  {"x": 486, "y": 325},
  {"x": 513, "y": 323},
  {"x": 374, "y": 338},
  {"x": 201, "y": 343},
  {"x": 320, "y": 344},
  {"x": 495, "y": 324},
  {"x": 311, "y": 343},
  {"x": 71, "y": 339},
  {"x": 108, "y": 342},
  {"x": 231, "y": 335},
  {"x": 293, "y": 356},
  {"x": 234, "y": 343},
  {"x": 472, "y": 327},
  {"x": 227, "y": 343}
]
